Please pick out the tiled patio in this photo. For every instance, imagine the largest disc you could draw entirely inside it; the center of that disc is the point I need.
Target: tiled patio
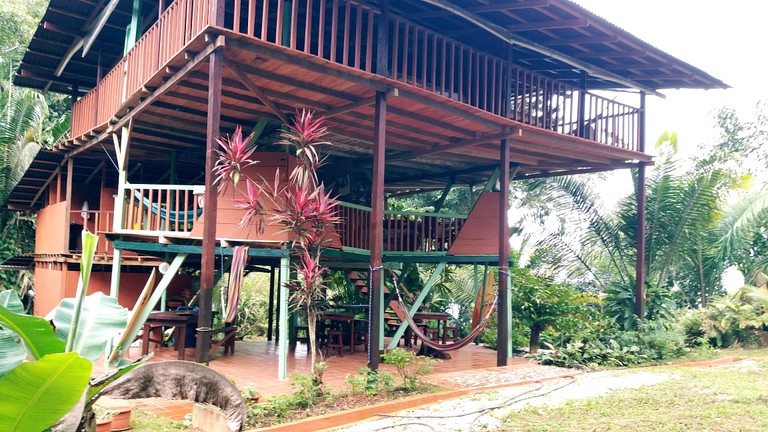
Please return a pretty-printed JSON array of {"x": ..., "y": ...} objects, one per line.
[{"x": 255, "y": 363}]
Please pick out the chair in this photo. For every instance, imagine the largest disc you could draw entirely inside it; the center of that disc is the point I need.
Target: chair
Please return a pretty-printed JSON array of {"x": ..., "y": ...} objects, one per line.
[
  {"x": 450, "y": 334},
  {"x": 432, "y": 333},
  {"x": 301, "y": 334},
  {"x": 335, "y": 341}
]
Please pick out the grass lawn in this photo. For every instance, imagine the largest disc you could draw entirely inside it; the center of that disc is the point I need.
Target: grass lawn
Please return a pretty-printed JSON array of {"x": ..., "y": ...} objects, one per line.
[{"x": 731, "y": 398}]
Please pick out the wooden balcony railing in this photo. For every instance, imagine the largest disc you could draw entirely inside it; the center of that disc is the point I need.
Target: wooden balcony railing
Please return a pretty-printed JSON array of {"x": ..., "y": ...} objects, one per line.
[
  {"x": 344, "y": 32},
  {"x": 181, "y": 22},
  {"x": 403, "y": 231},
  {"x": 97, "y": 222},
  {"x": 157, "y": 209}
]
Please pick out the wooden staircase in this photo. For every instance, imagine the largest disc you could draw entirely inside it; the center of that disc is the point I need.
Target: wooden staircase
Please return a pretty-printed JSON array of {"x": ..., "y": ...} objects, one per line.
[{"x": 394, "y": 314}]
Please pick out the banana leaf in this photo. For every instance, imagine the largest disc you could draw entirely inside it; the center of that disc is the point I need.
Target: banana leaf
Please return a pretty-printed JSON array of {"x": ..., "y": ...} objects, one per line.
[
  {"x": 100, "y": 320},
  {"x": 11, "y": 351},
  {"x": 11, "y": 301},
  {"x": 37, "y": 394},
  {"x": 36, "y": 333},
  {"x": 86, "y": 264}
]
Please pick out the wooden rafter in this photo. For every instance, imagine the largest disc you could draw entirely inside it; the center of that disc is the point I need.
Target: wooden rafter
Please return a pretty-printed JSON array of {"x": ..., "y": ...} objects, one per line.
[
  {"x": 248, "y": 83},
  {"x": 513, "y": 39},
  {"x": 452, "y": 146}
]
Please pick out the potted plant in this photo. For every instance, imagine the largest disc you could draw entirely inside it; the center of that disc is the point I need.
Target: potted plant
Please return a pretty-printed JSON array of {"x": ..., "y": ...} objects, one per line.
[{"x": 250, "y": 395}]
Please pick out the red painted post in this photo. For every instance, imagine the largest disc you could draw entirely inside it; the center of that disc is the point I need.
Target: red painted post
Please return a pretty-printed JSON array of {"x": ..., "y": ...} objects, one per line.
[
  {"x": 208, "y": 258},
  {"x": 376, "y": 231},
  {"x": 640, "y": 258},
  {"x": 502, "y": 329}
]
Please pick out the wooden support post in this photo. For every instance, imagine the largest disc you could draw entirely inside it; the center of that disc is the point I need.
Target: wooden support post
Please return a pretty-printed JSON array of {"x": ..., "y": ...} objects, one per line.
[
  {"x": 376, "y": 234},
  {"x": 640, "y": 258},
  {"x": 208, "y": 259},
  {"x": 282, "y": 337},
  {"x": 68, "y": 203},
  {"x": 271, "y": 307},
  {"x": 503, "y": 323}
]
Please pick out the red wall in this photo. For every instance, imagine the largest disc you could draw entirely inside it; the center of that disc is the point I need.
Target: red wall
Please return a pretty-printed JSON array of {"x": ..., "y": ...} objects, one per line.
[{"x": 54, "y": 284}]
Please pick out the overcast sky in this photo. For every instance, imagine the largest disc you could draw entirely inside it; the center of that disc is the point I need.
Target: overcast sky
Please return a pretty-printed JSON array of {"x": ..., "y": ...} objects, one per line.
[{"x": 725, "y": 39}]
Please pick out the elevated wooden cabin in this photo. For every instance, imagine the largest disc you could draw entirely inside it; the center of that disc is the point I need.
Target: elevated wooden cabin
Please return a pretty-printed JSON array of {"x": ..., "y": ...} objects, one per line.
[{"x": 419, "y": 96}]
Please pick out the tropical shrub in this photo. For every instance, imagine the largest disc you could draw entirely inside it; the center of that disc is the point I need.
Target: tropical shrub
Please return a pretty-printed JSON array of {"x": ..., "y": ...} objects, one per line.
[
  {"x": 409, "y": 367},
  {"x": 369, "y": 382}
]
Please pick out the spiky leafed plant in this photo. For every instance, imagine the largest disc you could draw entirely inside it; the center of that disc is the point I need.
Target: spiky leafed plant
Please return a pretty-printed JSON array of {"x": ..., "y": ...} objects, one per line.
[
  {"x": 306, "y": 135},
  {"x": 308, "y": 212},
  {"x": 234, "y": 156},
  {"x": 252, "y": 206}
]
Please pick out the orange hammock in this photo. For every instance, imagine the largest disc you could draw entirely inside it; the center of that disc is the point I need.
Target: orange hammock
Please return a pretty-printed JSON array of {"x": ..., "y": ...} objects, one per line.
[{"x": 443, "y": 347}]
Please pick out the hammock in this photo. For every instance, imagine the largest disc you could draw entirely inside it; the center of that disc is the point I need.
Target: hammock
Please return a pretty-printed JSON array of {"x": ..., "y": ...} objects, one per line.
[
  {"x": 173, "y": 215},
  {"x": 444, "y": 347},
  {"x": 239, "y": 259}
]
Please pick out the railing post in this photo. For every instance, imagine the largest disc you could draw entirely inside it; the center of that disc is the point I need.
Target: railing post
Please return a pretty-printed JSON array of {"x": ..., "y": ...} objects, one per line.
[
  {"x": 382, "y": 41},
  {"x": 582, "y": 106}
]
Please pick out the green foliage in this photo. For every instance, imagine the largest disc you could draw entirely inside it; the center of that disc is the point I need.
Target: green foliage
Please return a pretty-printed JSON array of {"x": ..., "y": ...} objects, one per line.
[
  {"x": 37, "y": 394},
  {"x": 620, "y": 302},
  {"x": 34, "y": 331},
  {"x": 409, "y": 366},
  {"x": 589, "y": 353},
  {"x": 101, "y": 319},
  {"x": 369, "y": 382},
  {"x": 728, "y": 321}
]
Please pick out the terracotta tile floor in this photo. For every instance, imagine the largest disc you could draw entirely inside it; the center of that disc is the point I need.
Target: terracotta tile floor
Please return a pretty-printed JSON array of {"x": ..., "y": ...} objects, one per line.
[{"x": 255, "y": 363}]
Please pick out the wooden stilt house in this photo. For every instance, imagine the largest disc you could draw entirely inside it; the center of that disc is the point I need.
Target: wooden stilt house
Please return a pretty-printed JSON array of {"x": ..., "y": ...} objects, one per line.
[{"x": 418, "y": 95}]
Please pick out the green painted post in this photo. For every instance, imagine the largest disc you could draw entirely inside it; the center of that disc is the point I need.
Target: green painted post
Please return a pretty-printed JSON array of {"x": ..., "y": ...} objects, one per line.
[
  {"x": 417, "y": 304},
  {"x": 114, "y": 283},
  {"x": 282, "y": 339}
]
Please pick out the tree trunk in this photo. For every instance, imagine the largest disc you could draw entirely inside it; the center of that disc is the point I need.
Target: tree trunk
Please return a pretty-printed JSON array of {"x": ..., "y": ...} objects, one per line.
[
  {"x": 311, "y": 329},
  {"x": 533, "y": 345}
]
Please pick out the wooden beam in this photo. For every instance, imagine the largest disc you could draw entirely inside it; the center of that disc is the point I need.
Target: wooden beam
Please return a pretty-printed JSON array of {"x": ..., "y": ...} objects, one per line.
[
  {"x": 248, "y": 83},
  {"x": 349, "y": 107},
  {"x": 45, "y": 185},
  {"x": 94, "y": 172},
  {"x": 452, "y": 146},
  {"x": 546, "y": 25}
]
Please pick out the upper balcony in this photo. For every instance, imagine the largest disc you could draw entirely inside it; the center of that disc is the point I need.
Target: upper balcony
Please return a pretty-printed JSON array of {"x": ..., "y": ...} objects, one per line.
[
  {"x": 458, "y": 79},
  {"x": 344, "y": 33}
]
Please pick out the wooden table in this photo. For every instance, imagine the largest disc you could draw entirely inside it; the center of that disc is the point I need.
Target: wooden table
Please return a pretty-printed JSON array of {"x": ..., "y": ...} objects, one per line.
[
  {"x": 179, "y": 320},
  {"x": 434, "y": 316},
  {"x": 341, "y": 316}
]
